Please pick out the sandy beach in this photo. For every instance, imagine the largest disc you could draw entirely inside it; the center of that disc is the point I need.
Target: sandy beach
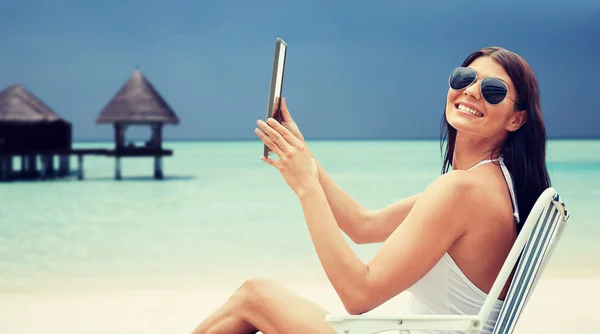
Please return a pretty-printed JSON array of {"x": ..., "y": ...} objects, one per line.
[{"x": 559, "y": 305}]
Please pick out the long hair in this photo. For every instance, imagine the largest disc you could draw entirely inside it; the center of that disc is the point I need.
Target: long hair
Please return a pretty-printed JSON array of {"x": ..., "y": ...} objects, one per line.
[{"x": 524, "y": 150}]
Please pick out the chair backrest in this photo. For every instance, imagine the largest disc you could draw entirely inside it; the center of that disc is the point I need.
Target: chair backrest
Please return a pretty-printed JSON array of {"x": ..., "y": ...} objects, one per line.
[{"x": 532, "y": 250}]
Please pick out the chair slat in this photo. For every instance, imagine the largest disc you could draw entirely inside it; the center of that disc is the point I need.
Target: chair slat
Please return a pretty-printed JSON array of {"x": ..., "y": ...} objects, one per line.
[{"x": 531, "y": 265}]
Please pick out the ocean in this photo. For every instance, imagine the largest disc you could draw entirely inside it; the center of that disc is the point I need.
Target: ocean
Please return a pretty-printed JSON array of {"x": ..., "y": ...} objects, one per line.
[{"x": 221, "y": 216}]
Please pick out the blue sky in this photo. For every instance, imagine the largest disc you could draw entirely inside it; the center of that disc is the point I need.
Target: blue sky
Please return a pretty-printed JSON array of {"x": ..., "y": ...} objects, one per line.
[{"x": 355, "y": 69}]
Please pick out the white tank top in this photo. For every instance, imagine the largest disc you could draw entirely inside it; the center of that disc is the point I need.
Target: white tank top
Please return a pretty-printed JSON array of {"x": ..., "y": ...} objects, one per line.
[{"x": 446, "y": 290}]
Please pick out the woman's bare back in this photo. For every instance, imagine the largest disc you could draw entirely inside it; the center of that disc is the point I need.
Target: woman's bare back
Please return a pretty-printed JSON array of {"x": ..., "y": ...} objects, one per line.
[{"x": 491, "y": 232}]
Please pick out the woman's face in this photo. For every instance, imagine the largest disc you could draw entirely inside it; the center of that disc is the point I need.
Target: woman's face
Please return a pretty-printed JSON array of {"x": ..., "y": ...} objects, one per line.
[{"x": 468, "y": 112}]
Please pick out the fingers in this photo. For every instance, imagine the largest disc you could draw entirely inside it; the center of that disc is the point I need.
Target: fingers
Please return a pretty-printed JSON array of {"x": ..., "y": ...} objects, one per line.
[
  {"x": 284, "y": 110},
  {"x": 276, "y": 135},
  {"x": 284, "y": 133},
  {"x": 270, "y": 161},
  {"x": 269, "y": 142}
]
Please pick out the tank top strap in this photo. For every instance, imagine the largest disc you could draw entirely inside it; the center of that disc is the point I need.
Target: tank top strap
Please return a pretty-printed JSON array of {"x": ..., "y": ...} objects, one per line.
[
  {"x": 509, "y": 182},
  {"x": 483, "y": 162},
  {"x": 511, "y": 188}
]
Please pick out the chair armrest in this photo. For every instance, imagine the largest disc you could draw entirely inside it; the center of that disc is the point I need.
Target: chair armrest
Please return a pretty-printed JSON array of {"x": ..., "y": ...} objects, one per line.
[{"x": 363, "y": 324}]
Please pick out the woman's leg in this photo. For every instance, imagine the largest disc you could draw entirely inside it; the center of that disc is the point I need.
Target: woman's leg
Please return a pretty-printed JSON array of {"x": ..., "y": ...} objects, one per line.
[{"x": 263, "y": 305}]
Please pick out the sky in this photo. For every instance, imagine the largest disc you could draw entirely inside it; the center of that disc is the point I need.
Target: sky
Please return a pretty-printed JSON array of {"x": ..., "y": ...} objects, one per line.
[{"x": 355, "y": 69}]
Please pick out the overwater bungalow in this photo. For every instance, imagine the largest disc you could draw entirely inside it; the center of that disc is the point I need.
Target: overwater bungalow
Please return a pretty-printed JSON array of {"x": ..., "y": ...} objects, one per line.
[
  {"x": 138, "y": 103},
  {"x": 29, "y": 128}
]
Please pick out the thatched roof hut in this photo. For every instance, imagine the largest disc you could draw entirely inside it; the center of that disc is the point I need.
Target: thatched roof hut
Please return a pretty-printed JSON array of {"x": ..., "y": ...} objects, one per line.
[
  {"x": 28, "y": 124},
  {"x": 137, "y": 102},
  {"x": 19, "y": 105}
]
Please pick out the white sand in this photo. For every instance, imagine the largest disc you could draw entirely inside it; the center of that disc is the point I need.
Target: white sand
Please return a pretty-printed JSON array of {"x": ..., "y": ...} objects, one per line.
[{"x": 559, "y": 305}]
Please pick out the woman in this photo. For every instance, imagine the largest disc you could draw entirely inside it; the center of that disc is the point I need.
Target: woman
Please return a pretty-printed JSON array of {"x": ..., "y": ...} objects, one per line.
[{"x": 445, "y": 245}]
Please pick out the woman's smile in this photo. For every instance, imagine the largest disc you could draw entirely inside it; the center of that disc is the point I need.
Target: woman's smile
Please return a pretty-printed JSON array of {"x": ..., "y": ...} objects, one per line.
[{"x": 467, "y": 109}]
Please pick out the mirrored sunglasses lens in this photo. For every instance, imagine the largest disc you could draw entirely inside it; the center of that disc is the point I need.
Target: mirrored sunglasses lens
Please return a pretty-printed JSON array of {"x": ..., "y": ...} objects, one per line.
[
  {"x": 461, "y": 78},
  {"x": 493, "y": 90}
]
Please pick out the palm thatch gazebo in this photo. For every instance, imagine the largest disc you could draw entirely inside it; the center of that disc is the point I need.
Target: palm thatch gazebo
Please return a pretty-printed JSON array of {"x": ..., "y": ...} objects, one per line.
[
  {"x": 137, "y": 103},
  {"x": 29, "y": 128}
]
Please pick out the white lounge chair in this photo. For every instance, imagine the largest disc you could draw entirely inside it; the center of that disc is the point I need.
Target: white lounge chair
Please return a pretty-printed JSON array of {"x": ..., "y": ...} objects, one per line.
[{"x": 532, "y": 250}]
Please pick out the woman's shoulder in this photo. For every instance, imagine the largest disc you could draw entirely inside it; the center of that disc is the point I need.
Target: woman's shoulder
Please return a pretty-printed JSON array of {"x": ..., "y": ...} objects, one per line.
[
  {"x": 459, "y": 180},
  {"x": 474, "y": 189},
  {"x": 452, "y": 202}
]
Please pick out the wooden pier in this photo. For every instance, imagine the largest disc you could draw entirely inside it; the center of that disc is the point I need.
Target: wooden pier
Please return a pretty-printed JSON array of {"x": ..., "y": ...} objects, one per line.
[
  {"x": 32, "y": 132},
  {"x": 43, "y": 165}
]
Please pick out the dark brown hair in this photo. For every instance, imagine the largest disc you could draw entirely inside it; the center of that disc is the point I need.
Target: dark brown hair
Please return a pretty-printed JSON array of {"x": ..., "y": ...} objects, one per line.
[{"x": 524, "y": 150}]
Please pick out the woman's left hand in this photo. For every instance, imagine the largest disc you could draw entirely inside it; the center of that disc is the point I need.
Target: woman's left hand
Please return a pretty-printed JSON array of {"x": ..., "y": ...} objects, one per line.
[{"x": 295, "y": 163}]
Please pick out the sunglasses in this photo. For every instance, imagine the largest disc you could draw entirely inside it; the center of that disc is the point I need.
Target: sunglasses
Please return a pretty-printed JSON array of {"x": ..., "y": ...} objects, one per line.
[{"x": 493, "y": 89}]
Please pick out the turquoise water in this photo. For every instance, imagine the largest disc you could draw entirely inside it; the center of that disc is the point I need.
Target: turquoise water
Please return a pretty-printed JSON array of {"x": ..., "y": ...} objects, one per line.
[{"x": 222, "y": 214}]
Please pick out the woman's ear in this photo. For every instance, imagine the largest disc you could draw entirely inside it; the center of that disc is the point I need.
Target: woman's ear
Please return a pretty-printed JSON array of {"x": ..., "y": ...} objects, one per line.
[{"x": 516, "y": 120}]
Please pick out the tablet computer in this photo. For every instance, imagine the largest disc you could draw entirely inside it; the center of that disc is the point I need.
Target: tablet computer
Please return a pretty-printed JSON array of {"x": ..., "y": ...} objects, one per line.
[{"x": 273, "y": 105}]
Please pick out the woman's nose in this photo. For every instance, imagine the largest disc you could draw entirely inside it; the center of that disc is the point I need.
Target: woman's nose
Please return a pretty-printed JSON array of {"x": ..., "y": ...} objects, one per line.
[{"x": 474, "y": 90}]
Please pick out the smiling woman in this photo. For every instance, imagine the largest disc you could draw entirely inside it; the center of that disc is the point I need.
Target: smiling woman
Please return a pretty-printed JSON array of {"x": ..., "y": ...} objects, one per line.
[
  {"x": 511, "y": 125},
  {"x": 445, "y": 245}
]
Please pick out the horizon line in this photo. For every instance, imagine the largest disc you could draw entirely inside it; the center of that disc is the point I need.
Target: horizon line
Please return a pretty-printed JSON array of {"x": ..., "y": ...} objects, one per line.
[{"x": 96, "y": 140}]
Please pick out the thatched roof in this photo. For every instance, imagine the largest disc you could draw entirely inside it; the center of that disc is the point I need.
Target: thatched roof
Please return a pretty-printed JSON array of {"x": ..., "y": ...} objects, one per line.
[
  {"x": 17, "y": 105},
  {"x": 137, "y": 102}
]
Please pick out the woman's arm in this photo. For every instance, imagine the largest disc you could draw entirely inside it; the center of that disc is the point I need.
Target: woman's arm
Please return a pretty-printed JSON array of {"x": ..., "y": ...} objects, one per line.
[
  {"x": 428, "y": 231},
  {"x": 435, "y": 222},
  {"x": 359, "y": 223}
]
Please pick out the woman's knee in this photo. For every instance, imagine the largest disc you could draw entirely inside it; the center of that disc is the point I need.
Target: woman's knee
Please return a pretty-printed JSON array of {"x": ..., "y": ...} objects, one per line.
[
  {"x": 271, "y": 307},
  {"x": 255, "y": 292},
  {"x": 256, "y": 287}
]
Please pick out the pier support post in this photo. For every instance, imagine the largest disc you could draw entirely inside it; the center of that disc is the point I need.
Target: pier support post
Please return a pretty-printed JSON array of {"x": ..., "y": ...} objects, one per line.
[
  {"x": 47, "y": 165},
  {"x": 3, "y": 167},
  {"x": 64, "y": 167},
  {"x": 44, "y": 169},
  {"x": 158, "y": 168},
  {"x": 50, "y": 165},
  {"x": 23, "y": 164},
  {"x": 9, "y": 166},
  {"x": 31, "y": 165},
  {"x": 80, "y": 167},
  {"x": 117, "y": 168}
]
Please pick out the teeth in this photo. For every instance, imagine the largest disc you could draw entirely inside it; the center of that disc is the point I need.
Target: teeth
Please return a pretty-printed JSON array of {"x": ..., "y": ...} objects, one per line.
[{"x": 469, "y": 110}]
